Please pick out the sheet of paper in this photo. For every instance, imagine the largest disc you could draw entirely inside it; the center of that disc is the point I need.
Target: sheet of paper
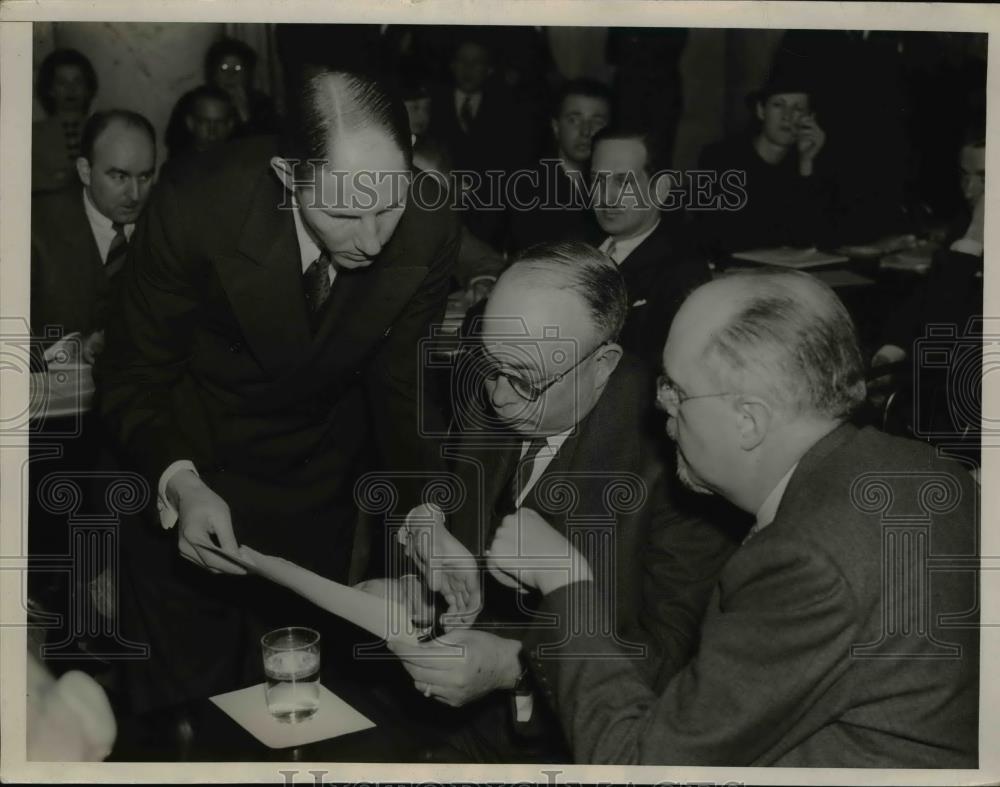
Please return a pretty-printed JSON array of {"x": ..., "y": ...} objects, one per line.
[
  {"x": 787, "y": 257},
  {"x": 248, "y": 708},
  {"x": 384, "y": 618}
]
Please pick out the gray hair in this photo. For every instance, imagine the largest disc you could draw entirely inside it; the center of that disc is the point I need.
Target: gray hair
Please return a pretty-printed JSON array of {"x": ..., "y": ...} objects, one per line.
[
  {"x": 792, "y": 337},
  {"x": 590, "y": 273}
]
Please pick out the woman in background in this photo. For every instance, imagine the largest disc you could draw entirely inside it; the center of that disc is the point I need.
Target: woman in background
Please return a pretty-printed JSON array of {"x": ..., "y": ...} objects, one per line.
[{"x": 67, "y": 84}]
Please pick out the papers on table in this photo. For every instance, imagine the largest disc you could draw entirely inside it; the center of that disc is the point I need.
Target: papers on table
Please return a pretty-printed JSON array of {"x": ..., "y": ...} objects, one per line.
[
  {"x": 787, "y": 257},
  {"x": 384, "y": 618},
  {"x": 248, "y": 708}
]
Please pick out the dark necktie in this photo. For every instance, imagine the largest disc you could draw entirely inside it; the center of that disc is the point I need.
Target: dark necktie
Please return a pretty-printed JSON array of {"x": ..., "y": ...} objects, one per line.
[
  {"x": 466, "y": 115},
  {"x": 507, "y": 501},
  {"x": 116, "y": 251},
  {"x": 316, "y": 285}
]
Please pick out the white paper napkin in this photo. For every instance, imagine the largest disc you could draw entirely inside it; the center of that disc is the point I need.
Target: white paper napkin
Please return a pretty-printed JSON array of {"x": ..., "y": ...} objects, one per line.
[{"x": 248, "y": 708}]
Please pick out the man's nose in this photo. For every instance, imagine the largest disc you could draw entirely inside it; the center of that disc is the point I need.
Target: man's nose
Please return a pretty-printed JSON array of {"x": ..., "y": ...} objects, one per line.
[
  {"x": 501, "y": 393},
  {"x": 367, "y": 237},
  {"x": 132, "y": 190}
]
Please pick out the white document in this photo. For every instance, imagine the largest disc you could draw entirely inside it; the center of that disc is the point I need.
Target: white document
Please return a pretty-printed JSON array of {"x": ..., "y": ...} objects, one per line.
[
  {"x": 386, "y": 619},
  {"x": 786, "y": 257}
]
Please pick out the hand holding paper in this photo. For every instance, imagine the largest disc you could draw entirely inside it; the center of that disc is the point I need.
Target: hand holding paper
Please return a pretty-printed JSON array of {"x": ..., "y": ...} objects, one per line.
[{"x": 447, "y": 566}]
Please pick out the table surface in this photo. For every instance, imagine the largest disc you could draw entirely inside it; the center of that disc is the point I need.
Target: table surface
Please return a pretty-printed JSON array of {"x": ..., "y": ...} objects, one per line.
[{"x": 199, "y": 731}]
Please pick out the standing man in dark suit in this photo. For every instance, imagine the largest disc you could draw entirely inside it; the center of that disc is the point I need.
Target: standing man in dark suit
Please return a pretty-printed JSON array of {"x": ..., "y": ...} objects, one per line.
[
  {"x": 629, "y": 173},
  {"x": 563, "y": 436},
  {"x": 817, "y": 649},
  {"x": 267, "y": 337},
  {"x": 79, "y": 237}
]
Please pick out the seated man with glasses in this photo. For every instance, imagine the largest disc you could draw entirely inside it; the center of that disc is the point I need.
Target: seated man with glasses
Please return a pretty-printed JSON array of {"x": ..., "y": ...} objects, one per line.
[
  {"x": 563, "y": 433},
  {"x": 843, "y": 633}
]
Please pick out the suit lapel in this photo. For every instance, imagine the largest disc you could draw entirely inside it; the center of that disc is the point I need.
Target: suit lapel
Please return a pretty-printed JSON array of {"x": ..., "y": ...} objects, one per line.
[{"x": 263, "y": 281}]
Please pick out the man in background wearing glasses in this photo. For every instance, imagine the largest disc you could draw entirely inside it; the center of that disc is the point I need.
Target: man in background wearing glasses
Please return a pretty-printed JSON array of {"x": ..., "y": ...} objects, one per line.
[
  {"x": 844, "y": 630},
  {"x": 564, "y": 433}
]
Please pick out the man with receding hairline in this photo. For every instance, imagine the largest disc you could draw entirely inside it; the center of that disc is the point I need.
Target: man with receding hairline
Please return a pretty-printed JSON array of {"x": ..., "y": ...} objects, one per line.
[
  {"x": 265, "y": 353},
  {"x": 812, "y": 651},
  {"x": 563, "y": 437}
]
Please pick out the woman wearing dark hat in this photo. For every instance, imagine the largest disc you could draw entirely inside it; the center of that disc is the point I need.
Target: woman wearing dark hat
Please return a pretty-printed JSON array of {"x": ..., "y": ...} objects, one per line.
[{"x": 787, "y": 202}]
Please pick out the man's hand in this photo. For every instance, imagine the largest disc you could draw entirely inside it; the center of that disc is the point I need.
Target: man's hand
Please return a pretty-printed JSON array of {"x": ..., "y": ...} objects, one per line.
[
  {"x": 528, "y": 549},
  {"x": 447, "y": 566},
  {"x": 461, "y": 666},
  {"x": 93, "y": 346},
  {"x": 810, "y": 143},
  {"x": 407, "y": 591},
  {"x": 202, "y": 515}
]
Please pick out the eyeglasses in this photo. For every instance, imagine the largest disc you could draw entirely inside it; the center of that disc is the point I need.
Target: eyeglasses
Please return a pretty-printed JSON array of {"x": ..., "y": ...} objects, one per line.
[
  {"x": 525, "y": 389},
  {"x": 669, "y": 398}
]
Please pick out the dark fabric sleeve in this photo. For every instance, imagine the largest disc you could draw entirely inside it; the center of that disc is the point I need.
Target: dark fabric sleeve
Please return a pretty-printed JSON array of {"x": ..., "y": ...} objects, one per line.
[
  {"x": 681, "y": 562},
  {"x": 148, "y": 341},
  {"x": 763, "y": 654},
  {"x": 402, "y": 403}
]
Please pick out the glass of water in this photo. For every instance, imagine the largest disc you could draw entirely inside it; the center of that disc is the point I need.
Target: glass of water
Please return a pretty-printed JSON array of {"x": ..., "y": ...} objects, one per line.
[{"x": 291, "y": 664}]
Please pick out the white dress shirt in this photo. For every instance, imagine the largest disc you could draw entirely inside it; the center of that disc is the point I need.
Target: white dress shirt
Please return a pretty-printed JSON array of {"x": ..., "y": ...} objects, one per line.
[
  {"x": 102, "y": 227},
  {"x": 308, "y": 252},
  {"x": 475, "y": 99},
  {"x": 543, "y": 459},
  {"x": 625, "y": 246}
]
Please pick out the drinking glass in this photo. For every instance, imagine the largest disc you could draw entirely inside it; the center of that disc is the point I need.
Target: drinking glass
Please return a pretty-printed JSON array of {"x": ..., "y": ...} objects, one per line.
[{"x": 291, "y": 664}]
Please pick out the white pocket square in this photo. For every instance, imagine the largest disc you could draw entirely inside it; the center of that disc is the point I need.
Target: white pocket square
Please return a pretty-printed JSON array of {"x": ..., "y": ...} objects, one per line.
[{"x": 640, "y": 302}]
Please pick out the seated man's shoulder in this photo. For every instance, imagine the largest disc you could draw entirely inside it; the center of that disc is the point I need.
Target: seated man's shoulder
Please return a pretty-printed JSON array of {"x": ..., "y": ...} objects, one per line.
[{"x": 53, "y": 208}]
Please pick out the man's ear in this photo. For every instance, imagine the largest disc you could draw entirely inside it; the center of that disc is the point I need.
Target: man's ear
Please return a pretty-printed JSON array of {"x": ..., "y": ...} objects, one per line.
[
  {"x": 284, "y": 171},
  {"x": 759, "y": 111},
  {"x": 83, "y": 170},
  {"x": 555, "y": 129},
  {"x": 606, "y": 360},
  {"x": 755, "y": 418},
  {"x": 189, "y": 122}
]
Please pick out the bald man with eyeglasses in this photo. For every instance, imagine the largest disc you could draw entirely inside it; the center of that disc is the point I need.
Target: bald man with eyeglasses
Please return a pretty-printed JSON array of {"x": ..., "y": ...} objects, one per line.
[{"x": 562, "y": 433}]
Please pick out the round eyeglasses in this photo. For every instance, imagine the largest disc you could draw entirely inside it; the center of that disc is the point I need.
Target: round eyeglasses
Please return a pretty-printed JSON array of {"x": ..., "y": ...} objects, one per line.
[
  {"x": 670, "y": 398},
  {"x": 526, "y": 389}
]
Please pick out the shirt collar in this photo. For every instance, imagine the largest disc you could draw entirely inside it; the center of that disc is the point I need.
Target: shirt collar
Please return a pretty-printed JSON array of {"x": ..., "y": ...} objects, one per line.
[
  {"x": 308, "y": 249},
  {"x": 625, "y": 247},
  {"x": 554, "y": 442},
  {"x": 96, "y": 218},
  {"x": 769, "y": 508}
]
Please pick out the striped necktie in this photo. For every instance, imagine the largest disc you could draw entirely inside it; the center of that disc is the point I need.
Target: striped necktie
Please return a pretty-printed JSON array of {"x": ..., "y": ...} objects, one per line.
[
  {"x": 116, "y": 251},
  {"x": 316, "y": 286}
]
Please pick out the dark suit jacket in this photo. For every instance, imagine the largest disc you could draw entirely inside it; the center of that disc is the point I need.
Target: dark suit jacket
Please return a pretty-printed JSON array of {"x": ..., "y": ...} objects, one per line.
[
  {"x": 212, "y": 358},
  {"x": 562, "y": 212},
  {"x": 796, "y": 665},
  {"x": 69, "y": 289},
  {"x": 609, "y": 483},
  {"x": 661, "y": 271}
]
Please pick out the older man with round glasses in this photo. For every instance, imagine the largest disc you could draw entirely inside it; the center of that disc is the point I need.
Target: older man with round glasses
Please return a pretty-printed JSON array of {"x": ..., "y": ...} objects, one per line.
[
  {"x": 562, "y": 436},
  {"x": 843, "y": 632}
]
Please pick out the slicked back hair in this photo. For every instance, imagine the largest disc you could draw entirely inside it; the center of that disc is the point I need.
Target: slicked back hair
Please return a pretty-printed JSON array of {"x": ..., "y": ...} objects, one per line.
[
  {"x": 590, "y": 273},
  {"x": 334, "y": 103},
  {"x": 99, "y": 121},
  {"x": 657, "y": 157},
  {"x": 792, "y": 339},
  {"x": 584, "y": 86}
]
